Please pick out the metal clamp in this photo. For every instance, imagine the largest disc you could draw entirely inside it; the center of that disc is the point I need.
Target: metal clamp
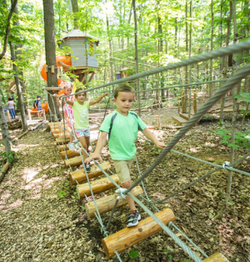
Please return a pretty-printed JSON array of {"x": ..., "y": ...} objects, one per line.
[
  {"x": 121, "y": 191},
  {"x": 225, "y": 164}
]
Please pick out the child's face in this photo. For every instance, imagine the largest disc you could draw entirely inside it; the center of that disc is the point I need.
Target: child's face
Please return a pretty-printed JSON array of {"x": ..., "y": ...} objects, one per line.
[
  {"x": 124, "y": 102},
  {"x": 80, "y": 98},
  {"x": 68, "y": 90}
]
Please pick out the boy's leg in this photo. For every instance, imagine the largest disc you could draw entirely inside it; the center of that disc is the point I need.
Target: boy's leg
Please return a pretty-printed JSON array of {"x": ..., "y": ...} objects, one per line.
[
  {"x": 131, "y": 202},
  {"x": 123, "y": 172}
]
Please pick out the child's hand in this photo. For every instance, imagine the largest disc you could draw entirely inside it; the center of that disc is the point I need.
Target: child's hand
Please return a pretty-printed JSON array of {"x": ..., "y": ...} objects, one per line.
[
  {"x": 106, "y": 94},
  {"x": 91, "y": 157},
  {"x": 160, "y": 145}
]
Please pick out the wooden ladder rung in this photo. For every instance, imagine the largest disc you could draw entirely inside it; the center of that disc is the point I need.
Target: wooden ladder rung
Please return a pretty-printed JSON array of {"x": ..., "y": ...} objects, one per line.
[
  {"x": 97, "y": 186},
  {"x": 107, "y": 203},
  {"x": 216, "y": 257},
  {"x": 127, "y": 237},
  {"x": 80, "y": 176}
]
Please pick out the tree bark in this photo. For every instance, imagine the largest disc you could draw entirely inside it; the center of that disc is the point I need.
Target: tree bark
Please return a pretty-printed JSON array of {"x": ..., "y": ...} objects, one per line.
[
  {"x": 4, "y": 129},
  {"x": 18, "y": 88},
  {"x": 7, "y": 31},
  {"x": 49, "y": 29},
  {"x": 74, "y": 4}
]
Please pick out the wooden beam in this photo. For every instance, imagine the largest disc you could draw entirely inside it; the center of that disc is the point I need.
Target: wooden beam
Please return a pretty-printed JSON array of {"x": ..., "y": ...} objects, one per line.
[
  {"x": 106, "y": 204},
  {"x": 80, "y": 176},
  {"x": 97, "y": 186},
  {"x": 128, "y": 237},
  {"x": 217, "y": 257}
]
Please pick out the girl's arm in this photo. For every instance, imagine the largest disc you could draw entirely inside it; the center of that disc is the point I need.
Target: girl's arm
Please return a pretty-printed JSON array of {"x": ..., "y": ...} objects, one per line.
[
  {"x": 100, "y": 144},
  {"x": 98, "y": 99},
  {"x": 58, "y": 98},
  {"x": 152, "y": 137}
]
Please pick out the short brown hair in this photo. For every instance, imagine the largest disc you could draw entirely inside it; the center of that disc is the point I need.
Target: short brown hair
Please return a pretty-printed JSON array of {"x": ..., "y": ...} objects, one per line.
[{"x": 123, "y": 88}]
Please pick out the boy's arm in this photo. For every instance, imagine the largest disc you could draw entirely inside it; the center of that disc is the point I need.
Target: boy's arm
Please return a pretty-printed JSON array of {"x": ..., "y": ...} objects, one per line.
[
  {"x": 152, "y": 137},
  {"x": 98, "y": 99},
  {"x": 100, "y": 144}
]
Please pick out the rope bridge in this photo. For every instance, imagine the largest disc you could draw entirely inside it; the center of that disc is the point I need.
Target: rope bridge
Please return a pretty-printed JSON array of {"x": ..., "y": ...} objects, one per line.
[{"x": 162, "y": 219}]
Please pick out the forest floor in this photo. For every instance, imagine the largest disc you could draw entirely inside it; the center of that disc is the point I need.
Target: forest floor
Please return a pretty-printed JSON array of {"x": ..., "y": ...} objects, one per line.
[{"x": 41, "y": 218}]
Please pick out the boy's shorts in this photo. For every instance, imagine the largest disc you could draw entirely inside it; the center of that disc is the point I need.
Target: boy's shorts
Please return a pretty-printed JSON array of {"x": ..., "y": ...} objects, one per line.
[
  {"x": 83, "y": 132},
  {"x": 122, "y": 168}
]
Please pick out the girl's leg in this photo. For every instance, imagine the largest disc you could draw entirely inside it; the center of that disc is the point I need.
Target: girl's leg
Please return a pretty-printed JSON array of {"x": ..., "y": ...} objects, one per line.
[
  {"x": 87, "y": 141},
  {"x": 84, "y": 144}
]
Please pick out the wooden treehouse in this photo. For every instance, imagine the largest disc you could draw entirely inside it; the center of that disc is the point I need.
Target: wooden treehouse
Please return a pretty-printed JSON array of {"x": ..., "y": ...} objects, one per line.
[{"x": 82, "y": 47}]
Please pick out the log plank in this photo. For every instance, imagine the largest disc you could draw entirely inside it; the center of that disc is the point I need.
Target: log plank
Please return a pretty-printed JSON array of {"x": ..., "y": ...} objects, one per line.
[
  {"x": 106, "y": 204},
  {"x": 97, "y": 186},
  {"x": 216, "y": 257},
  {"x": 80, "y": 176},
  {"x": 128, "y": 237}
]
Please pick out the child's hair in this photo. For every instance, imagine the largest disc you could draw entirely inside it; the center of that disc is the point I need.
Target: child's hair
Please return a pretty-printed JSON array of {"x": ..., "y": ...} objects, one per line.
[
  {"x": 78, "y": 90},
  {"x": 123, "y": 88},
  {"x": 10, "y": 99},
  {"x": 67, "y": 84},
  {"x": 38, "y": 97}
]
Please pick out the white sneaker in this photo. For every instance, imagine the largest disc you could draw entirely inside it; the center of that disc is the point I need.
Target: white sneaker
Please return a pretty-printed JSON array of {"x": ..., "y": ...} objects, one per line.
[{"x": 71, "y": 146}]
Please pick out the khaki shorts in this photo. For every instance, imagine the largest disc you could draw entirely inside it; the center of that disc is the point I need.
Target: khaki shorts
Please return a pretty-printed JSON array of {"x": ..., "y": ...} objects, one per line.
[{"x": 122, "y": 168}]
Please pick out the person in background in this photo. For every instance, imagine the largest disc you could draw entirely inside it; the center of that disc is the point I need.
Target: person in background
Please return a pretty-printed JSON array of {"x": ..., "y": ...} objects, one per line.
[
  {"x": 11, "y": 107},
  {"x": 38, "y": 105},
  {"x": 67, "y": 109},
  {"x": 122, "y": 126}
]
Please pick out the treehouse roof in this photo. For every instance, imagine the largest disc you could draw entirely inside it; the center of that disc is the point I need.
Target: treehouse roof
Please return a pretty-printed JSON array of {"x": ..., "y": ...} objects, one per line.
[{"x": 77, "y": 33}]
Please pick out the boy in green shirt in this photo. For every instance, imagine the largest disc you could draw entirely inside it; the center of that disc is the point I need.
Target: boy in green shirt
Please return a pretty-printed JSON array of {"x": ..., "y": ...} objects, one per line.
[{"x": 122, "y": 127}]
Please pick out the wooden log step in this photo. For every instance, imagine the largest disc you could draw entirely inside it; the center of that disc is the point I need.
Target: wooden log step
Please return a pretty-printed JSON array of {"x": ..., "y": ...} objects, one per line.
[
  {"x": 55, "y": 124},
  {"x": 216, "y": 257},
  {"x": 63, "y": 147},
  {"x": 57, "y": 130},
  {"x": 70, "y": 153},
  {"x": 56, "y": 135},
  {"x": 185, "y": 116},
  {"x": 97, "y": 186},
  {"x": 128, "y": 237},
  {"x": 106, "y": 204},
  {"x": 80, "y": 176},
  {"x": 60, "y": 141},
  {"x": 179, "y": 120},
  {"x": 74, "y": 161}
]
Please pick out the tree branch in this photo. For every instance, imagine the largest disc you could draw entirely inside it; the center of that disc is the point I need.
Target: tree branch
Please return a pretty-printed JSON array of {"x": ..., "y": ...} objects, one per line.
[{"x": 13, "y": 5}]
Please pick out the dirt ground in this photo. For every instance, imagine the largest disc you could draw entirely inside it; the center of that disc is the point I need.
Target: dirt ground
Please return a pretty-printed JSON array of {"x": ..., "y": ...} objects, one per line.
[{"x": 42, "y": 219}]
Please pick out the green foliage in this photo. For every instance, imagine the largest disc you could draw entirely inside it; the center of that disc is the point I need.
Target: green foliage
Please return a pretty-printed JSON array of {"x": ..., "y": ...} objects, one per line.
[
  {"x": 133, "y": 254},
  {"x": 62, "y": 193},
  {"x": 242, "y": 139}
]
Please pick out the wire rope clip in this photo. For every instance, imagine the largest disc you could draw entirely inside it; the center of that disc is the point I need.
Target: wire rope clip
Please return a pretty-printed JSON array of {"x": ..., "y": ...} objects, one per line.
[
  {"x": 225, "y": 164},
  {"x": 121, "y": 191}
]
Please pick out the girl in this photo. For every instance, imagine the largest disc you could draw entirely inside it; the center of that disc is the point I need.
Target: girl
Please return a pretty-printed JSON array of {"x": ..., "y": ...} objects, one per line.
[
  {"x": 81, "y": 116},
  {"x": 68, "y": 111}
]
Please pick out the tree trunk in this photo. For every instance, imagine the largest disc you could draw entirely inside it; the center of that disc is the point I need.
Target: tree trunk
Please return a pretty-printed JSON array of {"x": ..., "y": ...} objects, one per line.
[
  {"x": 49, "y": 29},
  {"x": 136, "y": 59},
  {"x": 74, "y": 5},
  {"x": 18, "y": 88},
  {"x": 4, "y": 129},
  {"x": 211, "y": 46}
]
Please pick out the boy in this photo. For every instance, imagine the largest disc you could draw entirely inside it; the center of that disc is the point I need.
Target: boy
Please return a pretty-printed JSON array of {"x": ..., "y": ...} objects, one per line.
[
  {"x": 38, "y": 105},
  {"x": 122, "y": 126}
]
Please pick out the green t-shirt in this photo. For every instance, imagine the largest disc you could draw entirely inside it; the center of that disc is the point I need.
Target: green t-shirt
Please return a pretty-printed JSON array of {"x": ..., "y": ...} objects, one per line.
[
  {"x": 123, "y": 134},
  {"x": 81, "y": 115}
]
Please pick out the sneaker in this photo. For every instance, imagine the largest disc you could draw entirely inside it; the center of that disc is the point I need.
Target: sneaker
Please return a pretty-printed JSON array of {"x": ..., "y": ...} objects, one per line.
[
  {"x": 71, "y": 146},
  {"x": 87, "y": 168},
  {"x": 133, "y": 218}
]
